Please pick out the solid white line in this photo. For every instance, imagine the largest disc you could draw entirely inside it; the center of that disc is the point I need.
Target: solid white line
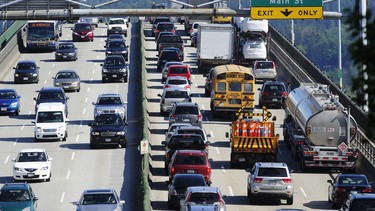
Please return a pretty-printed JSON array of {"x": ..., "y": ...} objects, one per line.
[
  {"x": 84, "y": 111},
  {"x": 222, "y": 168},
  {"x": 23, "y": 126},
  {"x": 303, "y": 192},
  {"x": 212, "y": 134},
  {"x": 73, "y": 154},
  {"x": 217, "y": 150},
  {"x": 68, "y": 175},
  {"x": 49, "y": 72},
  {"x": 203, "y": 107},
  {"x": 86, "y": 100},
  {"x": 6, "y": 159},
  {"x": 196, "y": 85},
  {"x": 77, "y": 138},
  {"x": 15, "y": 142},
  {"x": 62, "y": 197},
  {"x": 193, "y": 76},
  {"x": 230, "y": 191}
]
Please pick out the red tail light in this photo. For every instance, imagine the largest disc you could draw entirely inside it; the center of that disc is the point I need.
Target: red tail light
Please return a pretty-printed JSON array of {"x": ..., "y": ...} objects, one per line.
[
  {"x": 265, "y": 93},
  {"x": 257, "y": 180},
  {"x": 206, "y": 147},
  {"x": 340, "y": 190},
  {"x": 284, "y": 94},
  {"x": 273, "y": 65},
  {"x": 287, "y": 180},
  {"x": 157, "y": 30},
  {"x": 188, "y": 198},
  {"x": 199, "y": 116},
  {"x": 367, "y": 190},
  {"x": 173, "y": 115},
  {"x": 187, "y": 87},
  {"x": 167, "y": 86},
  {"x": 208, "y": 170},
  {"x": 300, "y": 142},
  {"x": 172, "y": 170}
]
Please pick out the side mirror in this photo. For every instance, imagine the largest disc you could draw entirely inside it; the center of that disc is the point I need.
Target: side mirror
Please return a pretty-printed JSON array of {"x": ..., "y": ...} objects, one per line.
[
  {"x": 66, "y": 120},
  {"x": 258, "y": 89},
  {"x": 14, "y": 68},
  {"x": 122, "y": 202},
  {"x": 329, "y": 181},
  {"x": 164, "y": 143},
  {"x": 211, "y": 160},
  {"x": 93, "y": 103},
  {"x": 33, "y": 122},
  {"x": 13, "y": 159},
  {"x": 208, "y": 135},
  {"x": 53, "y": 78},
  {"x": 67, "y": 98},
  {"x": 248, "y": 170},
  {"x": 101, "y": 64},
  {"x": 208, "y": 142},
  {"x": 291, "y": 171},
  {"x": 34, "y": 98},
  {"x": 75, "y": 203},
  {"x": 71, "y": 29},
  {"x": 225, "y": 196},
  {"x": 159, "y": 95},
  {"x": 36, "y": 198}
]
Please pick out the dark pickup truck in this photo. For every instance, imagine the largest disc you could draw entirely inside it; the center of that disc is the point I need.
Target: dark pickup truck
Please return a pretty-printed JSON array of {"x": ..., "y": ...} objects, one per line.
[{"x": 171, "y": 41}]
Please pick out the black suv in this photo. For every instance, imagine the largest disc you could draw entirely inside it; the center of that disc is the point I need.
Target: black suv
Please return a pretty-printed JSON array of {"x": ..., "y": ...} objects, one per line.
[
  {"x": 115, "y": 68},
  {"x": 52, "y": 95},
  {"x": 167, "y": 56},
  {"x": 182, "y": 141},
  {"x": 273, "y": 93},
  {"x": 359, "y": 202},
  {"x": 26, "y": 71},
  {"x": 117, "y": 47},
  {"x": 108, "y": 129}
]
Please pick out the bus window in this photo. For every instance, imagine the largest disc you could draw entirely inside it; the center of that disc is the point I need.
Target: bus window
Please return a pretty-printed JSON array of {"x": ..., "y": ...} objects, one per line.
[
  {"x": 234, "y": 87},
  {"x": 248, "y": 87},
  {"x": 221, "y": 86}
]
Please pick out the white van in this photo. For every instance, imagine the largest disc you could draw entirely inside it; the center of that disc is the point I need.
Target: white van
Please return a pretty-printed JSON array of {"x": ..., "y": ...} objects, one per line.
[{"x": 50, "y": 122}]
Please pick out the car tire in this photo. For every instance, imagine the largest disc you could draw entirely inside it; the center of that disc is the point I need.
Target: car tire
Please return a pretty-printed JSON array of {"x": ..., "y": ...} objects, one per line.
[
  {"x": 36, "y": 139},
  {"x": 49, "y": 178},
  {"x": 250, "y": 197},
  {"x": 92, "y": 146},
  {"x": 104, "y": 80},
  {"x": 123, "y": 145},
  {"x": 16, "y": 113},
  {"x": 170, "y": 205},
  {"x": 126, "y": 79},
  {"x": 289, "y": 201}
]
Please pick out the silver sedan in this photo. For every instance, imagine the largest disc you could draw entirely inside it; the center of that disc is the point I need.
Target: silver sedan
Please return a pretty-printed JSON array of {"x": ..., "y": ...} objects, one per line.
[{"x": 68, "y": 80}]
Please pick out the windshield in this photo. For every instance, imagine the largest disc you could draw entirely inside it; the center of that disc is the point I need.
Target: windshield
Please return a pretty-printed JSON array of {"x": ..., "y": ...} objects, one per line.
[
  {"x": 32, "y": 157},
  {"x": 120, "y": 21},
  {"x": 116, "y": 45},
  {"x": 40, "y": 33},
  {"x": 66, "y": 75},
  {"x": 50, "y": 116},
  {"x": 178, "y": 70},
  {"x": 82, "y": 27},
  {"x": 204, "y": 198},
  {"x": 114, "y": 62},
  {"x": 66, "y": 47},
  {"x": 14, "y": 195},
  {"x": 186, "y": 142},
  {"x": 109, "y": 101},
  {"x": 190, "y": 160},
  {"x": 176, "y": 94},
  {"x": 50, "y": 96},
  {"x": 7, "y": 95},
  {"x": 272, "y": 172},
  {"x": 99, "y": 199},
  {"x": 103, "y": 119},
  {"x": 26, "y": 66}
]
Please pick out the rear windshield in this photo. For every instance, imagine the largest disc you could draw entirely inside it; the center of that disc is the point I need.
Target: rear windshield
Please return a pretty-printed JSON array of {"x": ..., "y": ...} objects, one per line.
[
  {"x": 157, "y": 20},
  {"x": 188, "y": 142},
  {"x": 183, "y": 182},
  {"x": 169, "y": 55},
  {"x": 204, "y": 198},
  {"x": 272, "y": 172},
  {"x": 186, "y": 110},
  {"x": 166, "y": 26},
  {"x": 169, "y": 38},
  {"x": 176, "y": 94},
  {"x": 273, "y": 88},
  {"x": 119, "y": 21},
  {"x": 177, "y": 82},
  {"x": 363, "y": 205},
  {"x": 198, "y": 132},
  {"x": 264, "y": 65},
  {"x": 352, "y": 180},
  {"x": 178, "y": 70},
  {"x": 190, "y": 160}
]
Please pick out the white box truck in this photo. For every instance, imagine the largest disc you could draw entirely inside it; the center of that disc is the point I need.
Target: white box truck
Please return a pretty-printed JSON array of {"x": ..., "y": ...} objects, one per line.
[{"x": 215, "y": 45}]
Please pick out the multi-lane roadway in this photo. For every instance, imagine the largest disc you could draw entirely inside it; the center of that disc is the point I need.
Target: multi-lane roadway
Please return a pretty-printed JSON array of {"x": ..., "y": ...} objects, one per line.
[{"x": 310, "y": 189}]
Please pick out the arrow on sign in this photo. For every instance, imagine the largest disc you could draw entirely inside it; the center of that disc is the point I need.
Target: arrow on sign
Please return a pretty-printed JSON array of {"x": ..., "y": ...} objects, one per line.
[{"x": 286, "y": 12}]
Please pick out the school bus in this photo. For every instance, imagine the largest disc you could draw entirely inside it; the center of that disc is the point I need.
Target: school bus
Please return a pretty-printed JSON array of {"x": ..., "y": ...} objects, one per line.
[{"x": 231, "y": 87}]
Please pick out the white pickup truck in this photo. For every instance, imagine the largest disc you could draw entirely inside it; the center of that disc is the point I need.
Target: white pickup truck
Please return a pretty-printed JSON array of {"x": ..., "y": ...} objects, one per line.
[{"x": 117, "y": 26}]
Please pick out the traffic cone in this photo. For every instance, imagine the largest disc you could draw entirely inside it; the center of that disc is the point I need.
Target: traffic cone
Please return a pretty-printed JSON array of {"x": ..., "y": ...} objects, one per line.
[{"x": 244, "y": 128}]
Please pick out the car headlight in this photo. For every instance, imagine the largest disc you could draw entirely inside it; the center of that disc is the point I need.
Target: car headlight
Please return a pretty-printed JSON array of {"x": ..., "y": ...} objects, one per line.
[
  {"x": 75, "y": 83},
  {"x": 57, "y": 84},
  {"x": 16, "y": 75},
  {"x": 123, "y": 51},
  {"x": 35, "y": 74},
  {"x": 89, "y": 33},
  {"x": 61, "y": 128},
  {"x": 39, "y": 129},
  {"x": 26, "y": 209},
  {"x": 58, "y": 54},
  {"x": 75, "y": 33},
  {"x": 14, "y": 104},
  {"x": 120, "y": 133},
  {"x": 95, "y": 133},
  {"x": 109, "y": 52},
  {"x": 105, "y": 70},
  {"x": 44, "y": 168},
  {"x": 17, "y": 169},
  {"x": 71, "y": 54},
  {"x": 123, "y": 70}
]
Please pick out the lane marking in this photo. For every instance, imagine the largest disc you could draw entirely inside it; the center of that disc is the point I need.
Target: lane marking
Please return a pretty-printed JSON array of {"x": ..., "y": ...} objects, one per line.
[
  {"x": 88, "y": 89},
  {"x": 212, "y": 134},
  {"x": 15, "y": 142},
  {"x": 45, "y": 81},
  {"x": 203, "y": 107},
  {"x": 93, "y": 71},
  {"x": 29, "y": 113},
  {"x": 217, "y": 151},
  {"x": 73, "y": 154},
  {"x": 68, "y": 174},
  {"x": 62, "y": 197},
  {"x": 303, "y": 192},
  {"x": 97, "y": 57},
  {"x": 230, "y": 191},
  {"x": 49, "y": 72},
  {"x": 77, "y": 138},
  {"x": 222, "y": 168},
  {"x": 53, "y": 65},
  {"x": 86, "y": 100},
  {"x": 84, "y": 111},
  {"x": 6, "y": 159},
  {"x": 23, "y": 126}
]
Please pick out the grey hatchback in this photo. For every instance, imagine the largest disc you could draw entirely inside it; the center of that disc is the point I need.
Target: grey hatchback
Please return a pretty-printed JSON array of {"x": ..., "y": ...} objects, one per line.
[{"x": 186, "y": 112}]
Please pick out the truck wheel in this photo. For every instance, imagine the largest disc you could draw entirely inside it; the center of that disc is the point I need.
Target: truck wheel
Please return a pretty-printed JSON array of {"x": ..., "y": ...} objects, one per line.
[{"x": 289, "y": 201}]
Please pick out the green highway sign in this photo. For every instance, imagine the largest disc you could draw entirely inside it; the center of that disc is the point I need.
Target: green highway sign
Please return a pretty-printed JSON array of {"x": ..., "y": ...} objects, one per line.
[{"x": 286, "y": 3}]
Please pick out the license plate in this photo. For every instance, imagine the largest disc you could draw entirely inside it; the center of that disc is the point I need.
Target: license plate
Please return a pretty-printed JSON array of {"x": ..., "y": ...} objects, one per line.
[
  {"x": 242, "y": 159},
  {"x": 274, "y": 99},
  {"x": 185, "y": 120},
  {"x": 82, "y": 36},
  {"x": 117, "y": 32},
  {"x": 25, "y": 78},
  {"x": 30, "y": 174},
  {"x": 190, "y": 171},
  {"x": 65, "y": 57},
  {"x": 272, "y": 182},
  {"x": 114, "y": 76},
  {"x": 107, "y": 140},
  {"x": 3, "y": 109},
  {"x": 66, "y": 87}
]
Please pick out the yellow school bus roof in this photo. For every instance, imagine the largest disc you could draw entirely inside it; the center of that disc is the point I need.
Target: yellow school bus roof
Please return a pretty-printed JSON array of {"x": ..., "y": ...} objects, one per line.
[{"x": 230, "y": 68}]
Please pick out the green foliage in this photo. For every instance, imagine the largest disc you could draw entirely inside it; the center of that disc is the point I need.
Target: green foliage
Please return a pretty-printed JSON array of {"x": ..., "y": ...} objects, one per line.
[{"x": 363, "y": 55}]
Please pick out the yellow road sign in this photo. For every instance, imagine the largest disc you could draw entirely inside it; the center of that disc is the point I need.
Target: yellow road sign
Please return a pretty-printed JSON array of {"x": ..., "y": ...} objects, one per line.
[{"x": 286, "y": 12}]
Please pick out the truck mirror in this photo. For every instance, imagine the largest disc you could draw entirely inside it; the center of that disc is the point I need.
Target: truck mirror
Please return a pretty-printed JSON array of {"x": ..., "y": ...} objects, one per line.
[{"x": 274, "y": 118}]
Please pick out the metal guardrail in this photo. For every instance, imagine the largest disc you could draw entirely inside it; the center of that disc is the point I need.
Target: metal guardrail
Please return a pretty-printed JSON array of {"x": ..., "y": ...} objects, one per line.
[
  {"x": 8, "y": 34},
  {"x": 303, "y": 70}
]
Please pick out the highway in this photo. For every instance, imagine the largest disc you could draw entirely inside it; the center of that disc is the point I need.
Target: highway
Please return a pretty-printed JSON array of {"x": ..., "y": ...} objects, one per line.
[
  {"x": 75, "y": 167},
  {"x": 310, "y": 189}
]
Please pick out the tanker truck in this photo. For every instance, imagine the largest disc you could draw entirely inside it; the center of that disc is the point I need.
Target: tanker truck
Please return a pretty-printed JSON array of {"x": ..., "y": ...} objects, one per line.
[{"x": 319, "y": 128}]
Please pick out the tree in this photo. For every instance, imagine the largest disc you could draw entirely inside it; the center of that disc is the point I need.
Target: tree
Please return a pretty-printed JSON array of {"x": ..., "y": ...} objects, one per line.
[{"x": 363, "y": 57}]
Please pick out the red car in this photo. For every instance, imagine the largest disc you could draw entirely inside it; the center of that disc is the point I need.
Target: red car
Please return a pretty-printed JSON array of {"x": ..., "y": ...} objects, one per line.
[
  {"x": 83, "y": 32},
  {"x": 179, "y": 70},
  {"x": 192, "y": 162}
]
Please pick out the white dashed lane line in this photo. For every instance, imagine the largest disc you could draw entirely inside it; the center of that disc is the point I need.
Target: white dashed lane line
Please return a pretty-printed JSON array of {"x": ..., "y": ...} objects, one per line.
[
  {"x": 77, "y": 137},
  {"x": 212, "y": 134},
  {"x": 15, "y": 142},
  {"x": 62, "y": 197},
  {"x": 217, "y": 150},
  {"x": 230, "y": 191},
  {"x": 84, "y": 111},
  {"x": 23, "y": 126},
  {"x": 6, "y": 159},
  {"x": 222, "y": 168},
  {"x": 67, "y": 174},
  {"x": 73, "y": 154},
  {"x": 303, "y": 192}
]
